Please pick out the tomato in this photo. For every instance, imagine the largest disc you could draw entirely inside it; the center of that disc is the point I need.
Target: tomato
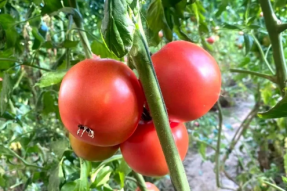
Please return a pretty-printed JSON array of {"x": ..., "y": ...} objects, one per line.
[
  {"x": 143, "y": 152},
  {"x": 149, "y": 186},
  {"x": 210, "y": 40},
  {"x": 100, "y": 101},
  {"x": 91, "y": 152},
  {"x": 189, "y": 79}
]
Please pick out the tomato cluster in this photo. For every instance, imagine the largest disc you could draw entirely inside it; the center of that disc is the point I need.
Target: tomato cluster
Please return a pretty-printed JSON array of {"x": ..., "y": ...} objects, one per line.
[{"x": 101, "y": 104}]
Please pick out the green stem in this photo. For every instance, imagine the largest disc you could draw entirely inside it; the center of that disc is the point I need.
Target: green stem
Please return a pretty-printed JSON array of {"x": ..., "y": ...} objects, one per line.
[
  {"x": 140, "y": 181},
  {"x": 282, "y": 27},
  {"x": 217, "y": 154},
  {"x": 85, "y": 167},
  {"x": 158, "y": 112},
  {"x": 68, "y": 37},
  {"x": 268, "y": 77},
  {"x": 274, "y": 186},
  {"x": 273, "y": 29},
  {"x": 83, "y": 36},
  {"x": 262, "y": 53},
  {"x": 21, "y": 63}
]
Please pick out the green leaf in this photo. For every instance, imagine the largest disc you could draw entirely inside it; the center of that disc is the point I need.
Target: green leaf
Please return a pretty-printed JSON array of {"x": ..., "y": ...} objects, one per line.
[
  {"x": 69, "y": 44},
  {"x": 101, "y": 50},
  {"x": 5, "y": 92},
  {"x": 70, "y": 186},
  {"x": 2, "y": 3},
  {"x": 6, "y": 21},
  {"x": 202, "y": 150},
  {"x": 231, "y": 26},
  {"x": 248, "y": 40},
  {"x": 123, "y": 170},
  {"x": 117, "y": 27},
  {"x": 56, "y": 177},
  {"x": 51, "y": 6},
  {"x": 51, "y": 78},
  {"x": 38, "y": 38},
  {"x": 103, "y": 176},
  {"x": 279, "y": 110},
  {"x": 222, "y": 7},
  {"x": 155, "y": 16},
  {"x": 280, "y": 3},
  {"x": 83, "y": 184}
]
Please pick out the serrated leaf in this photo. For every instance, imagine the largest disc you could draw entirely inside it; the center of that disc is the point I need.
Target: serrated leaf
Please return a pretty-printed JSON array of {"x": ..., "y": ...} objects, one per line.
[
  {"x": 117, "y": 27},
  {"x": 101, "y": 50},
  {"x": 51, "y": 78},
  {"x": 279, "y": 110},
  {"x": 5, "y": 92},
  {"x": 56, "y": 176}
]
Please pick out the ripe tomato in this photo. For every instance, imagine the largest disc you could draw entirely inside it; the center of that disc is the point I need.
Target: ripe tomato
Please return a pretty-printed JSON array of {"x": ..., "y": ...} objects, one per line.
[
  {"x": 143, "y": 153},
  {"x": 91, "y": 152},
  {"x": 100, "y": 101},
  {"x": 189, "y": 79},
  {"x": 210, "y": 40},
  {"x": 149, "y": 186}
]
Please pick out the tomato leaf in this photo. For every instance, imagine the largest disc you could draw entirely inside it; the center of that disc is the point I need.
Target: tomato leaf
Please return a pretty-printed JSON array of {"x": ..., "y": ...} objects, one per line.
[
  {"x": 56, "y": 177},
  {"x": 222, "y": 7},
  {"x": 117, "y": 27},
  {"x": 51, "y": 78},
  {"x": 279, "y": 110},
  {"x": 248, "y": 43},
  {"x": 2, "y": 3},
  {"x": 123, "y": 170},
  {"x": 5, "y": 92},
  {"x": 69, "y": 44},
  {"x": 101, "y": 50},
  {"x": 102, "y": 177},
  {"x": 51, "y": 6}
]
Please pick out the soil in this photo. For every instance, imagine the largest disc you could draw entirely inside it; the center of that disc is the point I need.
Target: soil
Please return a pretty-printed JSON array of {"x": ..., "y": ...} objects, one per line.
[{"x": 200, "y": 173}]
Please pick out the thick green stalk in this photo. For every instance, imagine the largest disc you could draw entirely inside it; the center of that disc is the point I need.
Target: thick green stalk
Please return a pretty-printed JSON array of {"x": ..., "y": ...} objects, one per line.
[
  {"x": 141, "y": 57},
  {"x": 273, "y": 27},
  {"x": 140, "y": 181},
  {"x": 83, "y": 35}
]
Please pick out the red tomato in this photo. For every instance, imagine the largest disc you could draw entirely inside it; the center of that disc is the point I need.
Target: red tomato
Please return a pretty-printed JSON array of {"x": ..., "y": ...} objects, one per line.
[
  {"x": 100, "y": 101},
  {"x": 91, "y": 152},
  {"x": 210, "y": 40},
  {"x": 149, "y": 186},
  {"x": 143, "y": 153},
  {"x": 189, "y": 79}
]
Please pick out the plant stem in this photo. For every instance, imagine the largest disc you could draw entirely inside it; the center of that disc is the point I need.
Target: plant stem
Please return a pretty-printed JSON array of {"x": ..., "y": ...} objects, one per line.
[
  {"x": 68, "y": 37},
  {"x": 83, "y": 36},
  {"x": 140, "y": 181},
  {"x": 273, "y": 185},
  {"x": 142, "y": 59},
  {"x": 273, "y": 28},
  {"x": 268, "y": 77},
  {"x": 217, "y": 153},
  {"x": 282, "y": 27}
]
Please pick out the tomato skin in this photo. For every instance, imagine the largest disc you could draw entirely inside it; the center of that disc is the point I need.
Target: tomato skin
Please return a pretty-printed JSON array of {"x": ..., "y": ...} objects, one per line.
[
  {"x": 143, "y": 153},
  {"x": 103, "y": 95},
  {"x": 91, "y": 152},
  {"x": 210, "y": 40},
  {"x": 149, "y": 186},
  {"x": 189, "y": 79}
]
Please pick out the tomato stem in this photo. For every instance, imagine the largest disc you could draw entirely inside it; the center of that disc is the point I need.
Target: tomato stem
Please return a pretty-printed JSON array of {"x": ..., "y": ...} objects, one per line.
[
  {"x": 140, "y": 181},
  {"x": 83, "y": 36},
  {"x": 140, "y": 55},
  {"x": 274, "y": 28}
]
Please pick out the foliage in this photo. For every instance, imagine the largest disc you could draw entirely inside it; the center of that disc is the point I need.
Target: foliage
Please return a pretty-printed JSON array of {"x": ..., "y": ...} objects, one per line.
[{"x": 39, "y": 42}]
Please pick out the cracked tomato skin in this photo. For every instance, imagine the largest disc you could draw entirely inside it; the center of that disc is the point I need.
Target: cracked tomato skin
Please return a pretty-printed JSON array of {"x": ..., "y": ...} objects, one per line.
[
  {"x": 143, "y": 153},
  {"x": 149, "y": 186},
  {"x": 103, "y": 95},
  {"x": 189, "y": 78},
  {"x": 91, "y": 152}
]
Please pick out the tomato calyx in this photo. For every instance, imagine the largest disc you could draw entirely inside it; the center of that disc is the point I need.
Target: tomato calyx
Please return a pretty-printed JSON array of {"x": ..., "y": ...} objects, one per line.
[
  {"x": 85, "y": 129},
  {"x": 146, "y": 115}
]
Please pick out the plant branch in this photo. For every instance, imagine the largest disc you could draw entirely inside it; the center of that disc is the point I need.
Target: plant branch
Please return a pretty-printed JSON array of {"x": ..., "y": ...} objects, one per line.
[
  {"x": 142, "y": 60},
  {"x": 272, "y": 25},
  {"x": 68, "y": 37},
  {"x": 83, "y": 36},
  {"x": 282, "y": 27},
  {"x": 140, "y": 181},
  {"x": 265, "y": 76},
  {"x": 217, "y": 153},
  {"x": 241, "y": 129}
]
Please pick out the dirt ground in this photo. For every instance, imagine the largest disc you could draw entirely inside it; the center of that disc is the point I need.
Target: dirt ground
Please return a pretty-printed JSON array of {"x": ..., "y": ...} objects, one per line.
[{"x": 201, "y": 176}]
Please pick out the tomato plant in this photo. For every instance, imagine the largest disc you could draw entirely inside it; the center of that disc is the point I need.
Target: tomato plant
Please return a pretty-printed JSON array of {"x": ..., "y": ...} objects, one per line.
[
  {"x": 91, "y": 152},
  {"x": 149, "y": 186},
  {"x": 189, "y": 79},
  {"x": 100, "y": 101},
  {"x": 143, "y": 153},
  {"x": 210, "y": 40}
]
